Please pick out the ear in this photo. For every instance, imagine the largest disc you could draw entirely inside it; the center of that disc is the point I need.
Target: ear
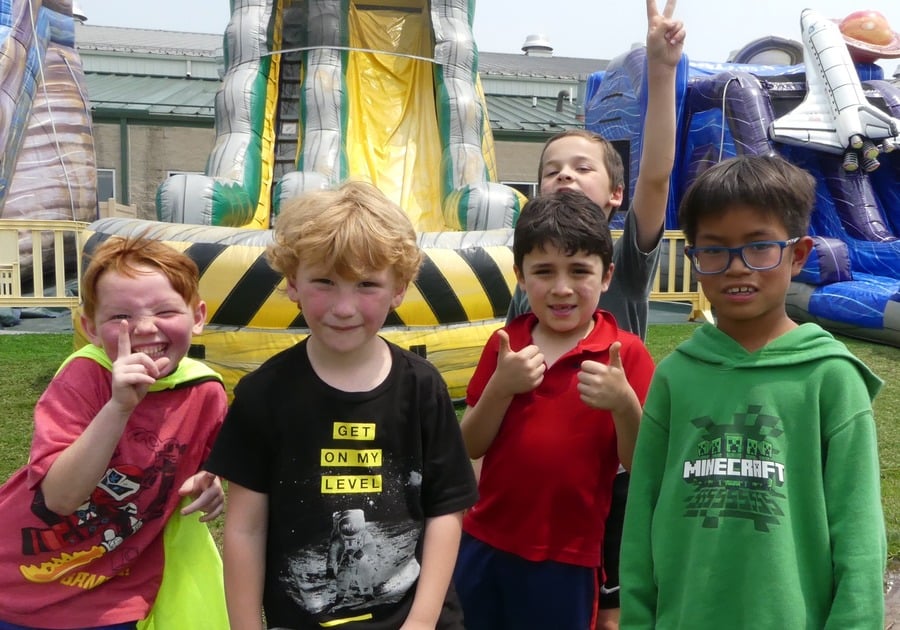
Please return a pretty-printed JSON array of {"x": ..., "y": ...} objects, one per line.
[
  {"x": 291, "y": 290},
  {"x": 399, "y": 294},
  {"x": 90, "y": 330},
  {"x": 616, "y": 197},
  {"x": 199, "y": 317},
  {"x": 799, "y": 254},
  {"x": 607, "y": 277},
  {"x": 520, "y": 277}
]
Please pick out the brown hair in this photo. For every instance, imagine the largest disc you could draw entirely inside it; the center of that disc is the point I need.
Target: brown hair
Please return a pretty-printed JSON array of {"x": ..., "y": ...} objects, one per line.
[
  {"x": 125, "y": 255},
  {"x": 354, "y": 229},
  {"x": 566, "y": 219}
]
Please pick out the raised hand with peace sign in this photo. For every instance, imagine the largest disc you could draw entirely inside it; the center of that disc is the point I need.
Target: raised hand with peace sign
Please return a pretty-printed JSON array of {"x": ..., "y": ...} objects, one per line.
[{"x": 665, "y": 35}]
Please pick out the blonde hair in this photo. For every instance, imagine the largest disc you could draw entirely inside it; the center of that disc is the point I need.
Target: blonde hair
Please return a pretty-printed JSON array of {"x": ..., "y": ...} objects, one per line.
[{"x": 354, "y": 230}]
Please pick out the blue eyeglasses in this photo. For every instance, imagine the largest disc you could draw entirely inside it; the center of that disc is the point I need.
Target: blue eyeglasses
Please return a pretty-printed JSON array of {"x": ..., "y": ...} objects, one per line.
[{"x": 758, "y": 256}]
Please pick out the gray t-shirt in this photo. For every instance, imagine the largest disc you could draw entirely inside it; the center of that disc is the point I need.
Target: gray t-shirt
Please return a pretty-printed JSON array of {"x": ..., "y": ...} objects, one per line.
[{"x": 629, "y": 292}]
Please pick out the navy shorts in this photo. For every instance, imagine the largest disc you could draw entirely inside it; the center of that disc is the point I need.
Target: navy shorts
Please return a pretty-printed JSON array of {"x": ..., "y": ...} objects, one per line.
[{"x": 501, "y": 591}]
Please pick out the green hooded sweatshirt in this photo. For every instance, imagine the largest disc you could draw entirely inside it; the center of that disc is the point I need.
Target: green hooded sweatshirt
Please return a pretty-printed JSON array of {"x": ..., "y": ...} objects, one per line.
[{"x": 755, "y": 499}]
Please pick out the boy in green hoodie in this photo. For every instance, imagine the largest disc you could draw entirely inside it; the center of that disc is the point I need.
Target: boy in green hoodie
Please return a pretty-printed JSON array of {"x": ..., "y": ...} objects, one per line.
[{"x": 755, "y": 498}]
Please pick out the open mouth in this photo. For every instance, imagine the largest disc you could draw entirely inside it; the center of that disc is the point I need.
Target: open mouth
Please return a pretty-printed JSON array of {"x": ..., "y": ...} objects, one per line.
[
  {"x": 740, "y": 291},
  {"x": 156, "y": 351}
]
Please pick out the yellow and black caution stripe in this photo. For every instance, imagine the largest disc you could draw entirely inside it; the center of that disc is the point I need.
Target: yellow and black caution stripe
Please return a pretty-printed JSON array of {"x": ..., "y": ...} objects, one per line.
[
  {"x": 460, "y": 296},
  {"x": 455, "y": 285}
]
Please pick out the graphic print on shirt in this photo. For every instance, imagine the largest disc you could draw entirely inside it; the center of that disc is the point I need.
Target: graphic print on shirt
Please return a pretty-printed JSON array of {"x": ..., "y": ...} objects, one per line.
[
  {"x": 363, "y": 561},
  {"x": 736, "y": 473},
  {"x": 102, "y": 523}
]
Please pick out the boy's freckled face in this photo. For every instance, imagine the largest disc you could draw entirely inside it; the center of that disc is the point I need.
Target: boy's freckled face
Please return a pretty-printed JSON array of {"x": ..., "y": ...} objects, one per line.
[
  {"x": 161, "y": 324},
  {"x": 741, "y": 295},
  {"x": 576, "y": 163},
  {"x": 342, "y": 314},
  {"x": 563, "y": 290}
]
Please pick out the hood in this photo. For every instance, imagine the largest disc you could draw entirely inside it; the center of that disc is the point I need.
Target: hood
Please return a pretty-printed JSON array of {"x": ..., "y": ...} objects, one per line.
[
  {"x": 805, "y": 344},
  {"x": 188, "y": 371}
]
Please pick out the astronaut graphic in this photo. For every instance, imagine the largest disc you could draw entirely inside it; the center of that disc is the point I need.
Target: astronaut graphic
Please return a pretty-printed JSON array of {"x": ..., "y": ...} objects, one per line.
[{"x": 350, "y": 556}]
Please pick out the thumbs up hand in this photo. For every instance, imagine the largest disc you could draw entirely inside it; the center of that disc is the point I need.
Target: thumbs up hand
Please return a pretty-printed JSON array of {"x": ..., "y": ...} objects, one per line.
[
  {"x": 518, "y": 372},
  {"x": 604, "y": 386}
]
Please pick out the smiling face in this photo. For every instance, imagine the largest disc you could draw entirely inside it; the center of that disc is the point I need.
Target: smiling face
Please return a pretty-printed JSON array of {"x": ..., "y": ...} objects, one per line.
[
  {"x": 161, "y": 323},
  {"x": 344, "y": 315},
  {"x": 563, "y": 290},
  {"x": 750, "y": 305},
  {"x": 576, "y": 163}
]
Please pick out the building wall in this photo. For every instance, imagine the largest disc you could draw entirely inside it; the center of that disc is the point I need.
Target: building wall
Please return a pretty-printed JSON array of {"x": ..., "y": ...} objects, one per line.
[
  {"x": 106, "y": 149},
  {"x": 153, "y": 151},
  {"x": 517, "y": 161}
]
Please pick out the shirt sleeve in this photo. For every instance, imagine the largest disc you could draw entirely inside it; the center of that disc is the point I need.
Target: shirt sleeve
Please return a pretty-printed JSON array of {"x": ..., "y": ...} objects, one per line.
[
  {"x": 63, "y": 411},
  {"x": 214, "y": 409},
  {"x": 639, "y": 590},
  {"x": 853, "y": 504},
  {"x": 239, "y": 453},
  {"x": 448, "y": 477},
  {"x": 639, "y": 367}
]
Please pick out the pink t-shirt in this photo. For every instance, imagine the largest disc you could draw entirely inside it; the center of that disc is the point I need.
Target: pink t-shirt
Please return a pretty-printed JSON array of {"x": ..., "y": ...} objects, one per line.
[
  {"x": 102, "y": 564},
  {"x": 546, "y": 480}
]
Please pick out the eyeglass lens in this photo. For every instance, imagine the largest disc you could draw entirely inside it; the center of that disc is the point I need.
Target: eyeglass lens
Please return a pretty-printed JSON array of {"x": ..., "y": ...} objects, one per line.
[{"x": 757, "y": 256}]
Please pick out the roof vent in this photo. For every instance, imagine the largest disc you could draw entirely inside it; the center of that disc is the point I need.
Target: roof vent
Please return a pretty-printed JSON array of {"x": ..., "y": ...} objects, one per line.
[
  {"x": 537, "y": 46},
  {"x": 78, "y": 13}
]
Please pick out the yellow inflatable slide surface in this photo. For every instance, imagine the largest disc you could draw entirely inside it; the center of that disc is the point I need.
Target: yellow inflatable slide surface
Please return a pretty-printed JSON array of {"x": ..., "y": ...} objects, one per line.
[{"x": 320, "y": 91}]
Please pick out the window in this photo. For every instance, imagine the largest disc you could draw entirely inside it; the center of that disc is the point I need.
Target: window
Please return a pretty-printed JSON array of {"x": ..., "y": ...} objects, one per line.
[
  {"x": 106, "y": 184},
  {"x": 170, "y": 173},
  {"x": 529, "y": 189}
]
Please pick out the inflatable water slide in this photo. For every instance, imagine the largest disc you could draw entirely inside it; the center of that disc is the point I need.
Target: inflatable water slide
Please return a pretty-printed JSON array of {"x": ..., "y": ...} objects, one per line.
[
  {"x": 47, "y": 168},
  {"x": 316, "y": 92},
  {"x": 851, "y": 284}
]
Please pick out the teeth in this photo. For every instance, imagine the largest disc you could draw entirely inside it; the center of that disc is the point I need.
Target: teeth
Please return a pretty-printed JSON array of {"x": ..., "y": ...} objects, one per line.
[
  {"x": 151, "y": 351},
  {"x": 739, "y": 290}
]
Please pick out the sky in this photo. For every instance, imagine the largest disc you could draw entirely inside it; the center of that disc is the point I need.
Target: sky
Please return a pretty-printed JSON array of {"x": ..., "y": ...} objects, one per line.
[{"x": 600, "y": 29}]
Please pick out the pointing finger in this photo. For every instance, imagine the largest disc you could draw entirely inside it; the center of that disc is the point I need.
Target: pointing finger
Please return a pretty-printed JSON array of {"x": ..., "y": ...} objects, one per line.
[{"x": 124, "y": 340}]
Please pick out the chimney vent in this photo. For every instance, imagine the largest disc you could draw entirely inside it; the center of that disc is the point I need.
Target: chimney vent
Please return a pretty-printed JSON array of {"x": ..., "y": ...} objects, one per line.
[{"x": 537, "y": 46}]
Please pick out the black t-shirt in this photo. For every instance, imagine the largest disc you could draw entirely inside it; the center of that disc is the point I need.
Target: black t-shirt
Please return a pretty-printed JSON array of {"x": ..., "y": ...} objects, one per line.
[{"x": 351, "y": 478}]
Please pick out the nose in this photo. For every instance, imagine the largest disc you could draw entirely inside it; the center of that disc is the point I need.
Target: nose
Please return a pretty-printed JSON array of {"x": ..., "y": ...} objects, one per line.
[
  {"x": 143, "y": 325},
  {"x": 741, "y": 265},
  {"x": 561, "y": 286},
  {"x": 565, "y": 173},
  {"x": 344, "y": 304}
]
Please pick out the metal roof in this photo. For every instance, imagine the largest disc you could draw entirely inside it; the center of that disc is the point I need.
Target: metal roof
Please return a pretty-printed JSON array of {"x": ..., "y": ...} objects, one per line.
[
  {"x": 533, "y": 66},
  {"x": 152, "y": 96},
  {"x": 521, "y": 114},
  {"x": 139, "y": 41},
  {"x": 143, "y": 96},
  {"x": 146, "y": 41},
  {"x": 137, "y": 94}
]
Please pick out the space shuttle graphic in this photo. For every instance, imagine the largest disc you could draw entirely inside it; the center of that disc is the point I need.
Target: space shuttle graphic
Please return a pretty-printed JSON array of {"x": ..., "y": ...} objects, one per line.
[{"x": 835, "y": 116}]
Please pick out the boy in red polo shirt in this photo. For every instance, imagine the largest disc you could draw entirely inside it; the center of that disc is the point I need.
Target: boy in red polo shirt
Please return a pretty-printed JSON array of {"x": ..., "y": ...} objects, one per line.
[{"x": 553, "y": 407}]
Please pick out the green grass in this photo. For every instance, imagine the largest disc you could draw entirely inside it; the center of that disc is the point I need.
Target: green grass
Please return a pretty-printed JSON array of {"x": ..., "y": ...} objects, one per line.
[{"x": 28, "y": 362}]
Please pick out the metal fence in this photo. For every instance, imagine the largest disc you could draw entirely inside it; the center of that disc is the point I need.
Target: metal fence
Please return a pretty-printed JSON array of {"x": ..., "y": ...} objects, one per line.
[{"x": 61, "y": 242}]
